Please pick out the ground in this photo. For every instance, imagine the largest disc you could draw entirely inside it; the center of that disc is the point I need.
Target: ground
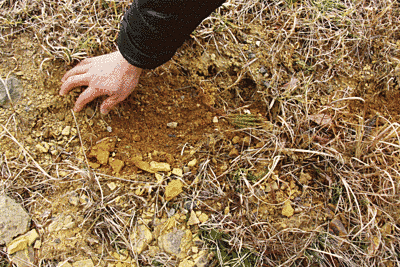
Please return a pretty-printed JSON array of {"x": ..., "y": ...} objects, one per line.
[{"x": 282, "y": 160}]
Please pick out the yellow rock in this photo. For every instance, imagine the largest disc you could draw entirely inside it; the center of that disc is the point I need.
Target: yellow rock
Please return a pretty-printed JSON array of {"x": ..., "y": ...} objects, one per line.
[
  {"x": 22, "y": 242},
  {"x": 83, "y": 263},
  {"x": 102, "y": 156},
  {"x": 186, "y": 263},
  {"x": 193, "y": 219},
  {"x": 141, "y": 238},
  {"x": 159, "y": 178},
  {"x": 116, "y": 165},
  {"x": 173, "y": 189},
  {"x": 235, "y": 139},
  {"x": 203, "y": 218},
  {"x": 177, "y": 172},
  {"x": 143, "y": 165},
  {"x": 192, "y": 163},
  {"x": 160, "y": 166},
  {"x": 287, "y": 210},
  {"x": 64, "y": 264},
  {"x": 234, "y": 152}
]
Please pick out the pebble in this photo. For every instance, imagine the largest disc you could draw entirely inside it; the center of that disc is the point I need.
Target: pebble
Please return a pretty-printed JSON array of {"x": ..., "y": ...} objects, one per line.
[
  {"x": 160, "y": 166},
  {"x": 22, "y": 242},
  {"x": 173, "y": 189},
  {"x": 192, "y": 163},
  {"x": 43, "y": 148},
  {"x": 112, "y": 186},
  {"x": 159, "y": 178},
  {"x": 172, "y": 124},
  {"x": 287, "y": 210},
  {"x": 215, "y": 119},
  {"x": 116, "y": 165},
  {"x": 193, "y": 220},
  {"x": 258, "y": 43},
  {"x": 203, "y": 218},
  {"x": 14, "y": 220},
  {"x": 13, "y": 86},
  {"x": 83, "y": 263},
  {"x": 109, "y": 129},
  {"x": 141, "y": 238},
  {"x": 24, "y": 258},
  {"x": 66, "y": 131},
  {"x": 177, "y": 172},
  {"x": 234, "y": 152},
  {"x": 186, "y": 263},
  {"x": 235, "y": 139},
  {"x": 176, "y": 243},
  {"x": 186, "y": 169}
]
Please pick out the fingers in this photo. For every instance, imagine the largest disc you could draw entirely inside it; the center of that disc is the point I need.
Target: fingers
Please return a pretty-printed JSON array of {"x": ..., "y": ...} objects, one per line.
[
  {"x": 74, "y": 81},
  {"x": 81, "y": 68},
  {"x": 85, "y": 97},
  {"x": 110, "y": 103}
]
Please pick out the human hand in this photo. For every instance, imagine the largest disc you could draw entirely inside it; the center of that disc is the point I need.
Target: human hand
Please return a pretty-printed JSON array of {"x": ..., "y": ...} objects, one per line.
[{"x": 108, "y": 74}]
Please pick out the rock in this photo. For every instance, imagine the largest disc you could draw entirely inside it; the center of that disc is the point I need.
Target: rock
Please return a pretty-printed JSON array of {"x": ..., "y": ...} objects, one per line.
[
  {"x": 305, "y": 178},
  {"x": 258, "y": 43},
  {"x": 246, "y": 140},
  {"x": 116, "y": 165},
  {"x": 186, "y": 169},
  {"x": 102, "y": 156},
  {"x": 83, "y": 263},
  {"x": 234, "y": 152},
  {"x": 192, "y": 163},
  {"x": 336, "y": 227},
  {"x": 14, "y": 220},
  {"x": 61, "y": 222},
  {"x": 274, "y": 186},
  {"x": 203, "y": 218},
  {"x": 160, "y": 166},
  {"x": 173, "y": 189},
  {"x": 141, "y": 238},
  {"x": 24, "y": 258},
  {"x": 112, "y": 186},
  {"x": 64, "y": 264},
  {"x": 193, "y": 220},
  {"x": 13, "y": 86},
  {"x": 186, "y": 263},
  {"x": 159, "y": 178},
  {"x": 74, "y": 200},
  {"x": 215, "y": 119},
  {"x": 172, "y": 124},
  {"x": 235, "y": 139},
  {"x": 143, "y": 165},
  {"x": 201, "y": 259},
  {"x": 43, "y": 148},
  {"x": 94, "y": 165},
  {"x": 66, "y": 131},
  {"x": 176, "y": 243},
  {"x": 22, "y": 242},
  {"x": 177, "y": 172},
  {"x": 287, "y": 210}
]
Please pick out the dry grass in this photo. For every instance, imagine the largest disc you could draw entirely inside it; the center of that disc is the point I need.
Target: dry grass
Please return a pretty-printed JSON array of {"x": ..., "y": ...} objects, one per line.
[{"x": 354, "y": 161}]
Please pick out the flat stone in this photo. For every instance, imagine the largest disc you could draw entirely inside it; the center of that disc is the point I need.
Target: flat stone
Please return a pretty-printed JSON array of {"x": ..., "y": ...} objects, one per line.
[
  {"x": 64, "y": 264},
  {"x": 192, "y": 163},
  {"x": 203, "y": 217},
  {"x": 160, "y": 166},
  {"x": 193, "y": 220},
  {"x": 173, "y": 189},
  {"x": 116, "y": 165},
  {"x": 287, "y": 210},
  {"x": 171, "y": 242},
  {"x": 22, "y": 242},
  {"x": 141, "y": 238},
  {"x": 112, "y": 186},
  {"x": 24, "y": 258},
  {"x": 14, "y": 220},
  {"x": 102, "y": 156},
  {"x": 235, "y": 139},
  {"x": 177, "y": 172},
  {"x": 172, "y": 124},
  {"x": 337, "y": 227},
  {"x": 83, "y": 263},
  {"x": 186, "y": 263},
  {"x": 12, "y": 89},
  {"x": 66, "y": 131},
  {"x": 159, "y": 178},
  {"x": 234, "y": 152}
]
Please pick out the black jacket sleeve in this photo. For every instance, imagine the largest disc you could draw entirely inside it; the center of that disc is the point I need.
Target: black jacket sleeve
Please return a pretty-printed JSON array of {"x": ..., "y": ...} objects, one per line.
[{"x": 152, "y": 30}]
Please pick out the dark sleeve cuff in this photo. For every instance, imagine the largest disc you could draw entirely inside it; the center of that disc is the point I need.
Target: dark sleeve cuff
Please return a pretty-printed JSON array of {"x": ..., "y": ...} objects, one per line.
[{"x": 152, "y": 30}]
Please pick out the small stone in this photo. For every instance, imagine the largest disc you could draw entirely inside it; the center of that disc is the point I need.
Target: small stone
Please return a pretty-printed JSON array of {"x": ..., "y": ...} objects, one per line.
[
  {"x": 213, "y": 56},
  {"x": 112, "y": 186},
  {"x": 64, "y": 264},
  {"x": 215, "y": 119},
  {"x": 38, "y": 244},
  {"x": 201, "y": 259},
  {"x": 94, "y": 165},
  {"x": 141, "y": 238},
  {"x": 66, "y": 131},
  {"x": 195, "y": 250},
  {"x": 14, "y": 220},
  {"x": 234, "y": 152},
  {"x": 192, "y": 163},
  {"x": 287, "y": 210},
  {"x": 22, "y": 242},
  {"x": 258, "y": 43},
  {"x": 116, "y": 165},
  {"x": 176, "y": 243},
  {"x": 43, "y": 148},
  {"x": 172, "y": 124},
  {"x": 274, "y": 186},
  {"x": 102, "y": 156},
  {"x": 246, "y": 140},
  {"x": 186, "y": 262},
  {"x": 109, "y": 129},
  {"x": 177, "y": 172},
  {"x": 73, "y": 200},
  {"x": 203, "y": 218},
  {"x": 305, "y": 178},
  {"x": 24, "y": 258},
  {"x": 186, "y": 169},
  {"x": 159, "y": 178},
  {"x": 193, "y": 220},
  {"x": 235, "y": 139},
  {"x": 83, "y": 263},
  {"x": 136, "y": 137},
  {"x": 160, "y": 166},
  {"x": 173, "y": 189},
  {"x": 336, "y": 227}
]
